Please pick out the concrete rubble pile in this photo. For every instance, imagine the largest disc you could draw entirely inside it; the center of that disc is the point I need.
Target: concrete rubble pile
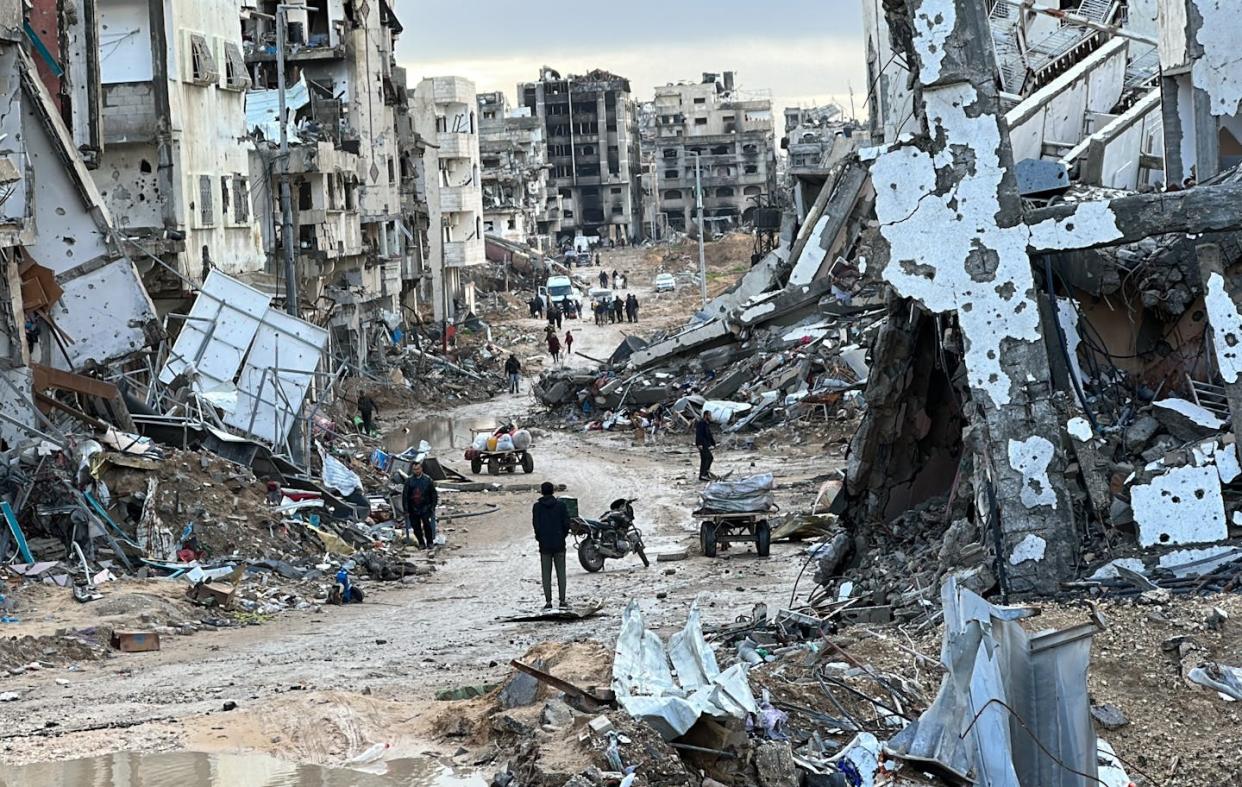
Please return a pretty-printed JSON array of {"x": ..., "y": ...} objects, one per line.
[
  {"x": 785, "y": 700},
  {"x": 787, "y": 342}
]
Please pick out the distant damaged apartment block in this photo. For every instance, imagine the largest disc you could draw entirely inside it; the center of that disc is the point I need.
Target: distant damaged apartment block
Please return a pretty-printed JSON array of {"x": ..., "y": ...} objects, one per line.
[
  {"x": 519, "y": 202},
  {"x": 1004, "y": 106}
]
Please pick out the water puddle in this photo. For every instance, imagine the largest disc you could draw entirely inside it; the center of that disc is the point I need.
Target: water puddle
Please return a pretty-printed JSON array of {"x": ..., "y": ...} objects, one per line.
[
  {"x": 195, "y": 769},
  {"x": 441, "y": 432}
]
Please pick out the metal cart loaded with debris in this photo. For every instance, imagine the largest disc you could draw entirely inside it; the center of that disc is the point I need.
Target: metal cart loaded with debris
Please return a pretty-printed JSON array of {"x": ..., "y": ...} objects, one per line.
[
  {"x": 506, "y": 448},
  {"x": 736, "y": 512}
]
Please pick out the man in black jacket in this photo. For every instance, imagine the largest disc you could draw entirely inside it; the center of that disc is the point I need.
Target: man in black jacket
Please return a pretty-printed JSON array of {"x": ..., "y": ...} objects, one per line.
[
  {"x": 705, "y": 442},
  {"x": 420, "y": 498},
  {"x": 550, "y": 519},
  {"x": 513, "y": 368},
  {"x": 367, "y": 409}
]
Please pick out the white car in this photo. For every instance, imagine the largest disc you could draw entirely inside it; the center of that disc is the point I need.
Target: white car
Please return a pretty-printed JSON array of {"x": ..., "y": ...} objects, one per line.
[{"x": 665, "y": 283}]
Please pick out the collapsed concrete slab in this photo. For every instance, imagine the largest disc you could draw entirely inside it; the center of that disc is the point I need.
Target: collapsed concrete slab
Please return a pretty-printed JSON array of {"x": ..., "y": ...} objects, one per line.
[{"x": 695, "y": 337}]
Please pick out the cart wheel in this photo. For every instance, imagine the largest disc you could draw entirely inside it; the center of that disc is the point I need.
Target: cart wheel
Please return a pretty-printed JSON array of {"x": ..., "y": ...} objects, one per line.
[
  {"x": 528, "y": 463},
  {"x": 589, "y": 556},
  {"x": 707, "y": 539},
  {"x": 476, "y": 465},
  {"x": 763, "y": 538},
  {"x": 493, "y": 466}
]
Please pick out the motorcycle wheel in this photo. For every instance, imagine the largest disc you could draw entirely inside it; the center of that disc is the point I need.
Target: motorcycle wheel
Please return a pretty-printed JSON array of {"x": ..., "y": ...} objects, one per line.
[
  {"x": 589, "y": 556},
  {"x": 642, "y": 555}
]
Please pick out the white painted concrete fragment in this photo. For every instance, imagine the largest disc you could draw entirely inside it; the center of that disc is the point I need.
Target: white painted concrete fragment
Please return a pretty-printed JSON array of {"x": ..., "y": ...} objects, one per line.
[
  {"x": 1079, "y": 429},
  {"x": 1031, "y": 457},
  {"x": 1109, "y": 569},
  {"x": 1227, "y": 464},
  {"x": 1200, "y": 415},
  {"x": 1183, "y": 506},
  {"x": 1216, "y": 72},
  {"x": 1030, "y": 548},
  {"x": 1067, "y": 316},
  {"x": 1111, "y": 772},
  {"x": 933, "y": 24},
  {"x": 1226, "y": 326}
]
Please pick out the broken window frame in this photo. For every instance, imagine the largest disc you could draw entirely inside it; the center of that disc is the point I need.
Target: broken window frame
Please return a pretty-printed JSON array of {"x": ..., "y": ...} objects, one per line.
[
  {"x": 206, "y": 210},
  {"x": 236, "y": 76},
  {"x": 241, "y": 199},
  {"x": 203, "y": 70}
]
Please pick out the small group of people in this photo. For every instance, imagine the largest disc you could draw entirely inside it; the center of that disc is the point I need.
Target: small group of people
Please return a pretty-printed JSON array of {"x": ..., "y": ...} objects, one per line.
[
  {"x": 617, "y": 309},
  {"x": 554, "y": 343},
  {"x": 619, "y": 280}
]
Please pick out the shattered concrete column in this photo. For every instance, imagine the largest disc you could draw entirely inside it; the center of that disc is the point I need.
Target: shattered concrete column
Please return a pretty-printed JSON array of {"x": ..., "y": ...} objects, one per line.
[
  {"x": 1224, "y": 312},
  {"x": 954, "y": 239}
]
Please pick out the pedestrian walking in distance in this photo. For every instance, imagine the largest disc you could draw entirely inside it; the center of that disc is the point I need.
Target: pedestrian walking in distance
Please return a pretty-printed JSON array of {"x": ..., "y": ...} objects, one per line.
[
  {"x": 603, "y": 279},
  {"x": 569, "y": 344},
  {"x": 420, "y": 498},
  {"x": 554, "y": 348},
  {"x": 513, "y": 368},
  {"x": 550, "y": 519},
  {"x": 367, "y": 409},
  {"x": 705, "y": 442}
]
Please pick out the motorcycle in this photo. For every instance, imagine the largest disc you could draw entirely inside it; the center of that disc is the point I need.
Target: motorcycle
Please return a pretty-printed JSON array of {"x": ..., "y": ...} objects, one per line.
[{"x": 613, "y": 535}]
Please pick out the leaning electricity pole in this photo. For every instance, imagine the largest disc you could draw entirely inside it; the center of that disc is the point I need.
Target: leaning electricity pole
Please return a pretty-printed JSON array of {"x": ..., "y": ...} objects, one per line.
[
  {"x": 698, "y": 188},
  {"x": 286, "y": 198}
]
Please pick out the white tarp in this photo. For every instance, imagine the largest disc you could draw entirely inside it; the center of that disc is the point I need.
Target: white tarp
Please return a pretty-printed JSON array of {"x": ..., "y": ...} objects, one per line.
[
  {"x": 337, "y": 476},
  {"x": 643, "y": 679},
  {"x": 278, "y": 371},
  {"x": 753, "y": 494},
  {"x": 216, "y": 335},
  {"x": 263, "y": 109}
]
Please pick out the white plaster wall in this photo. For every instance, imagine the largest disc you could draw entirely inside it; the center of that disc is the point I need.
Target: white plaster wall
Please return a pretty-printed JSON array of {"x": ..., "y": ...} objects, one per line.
[
  {"x": 209, "y": 128},
  {"x": 124, "y": 41},
  {"x": 1121, "y": 156},
  {"x": 1172, "y": 20},
  {"x": 133, "y": 195}
]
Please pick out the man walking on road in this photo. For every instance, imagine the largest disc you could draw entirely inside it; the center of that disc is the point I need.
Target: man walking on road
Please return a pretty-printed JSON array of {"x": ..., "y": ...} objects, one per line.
[
  {"x": 603, "y": 280},
  {"x": 705, "y": 442},
  {"x": 513, "y": 368},
  {"x": 631, "y": 308},
  {"x": 420, "y": 498},
  {"x": 554, "y": 347},
  {"x": 569, "y": 344},
  {"x": 550, "y": 519}
]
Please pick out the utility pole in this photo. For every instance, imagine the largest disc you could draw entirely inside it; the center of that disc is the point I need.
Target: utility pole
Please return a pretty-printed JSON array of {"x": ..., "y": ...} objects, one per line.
[
  {"x": 698, "y": 188},
  {"x": 286, "y": 199}
]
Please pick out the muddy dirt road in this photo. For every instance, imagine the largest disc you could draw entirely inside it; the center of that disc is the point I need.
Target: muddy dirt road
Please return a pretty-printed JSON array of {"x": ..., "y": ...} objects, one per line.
[{"x": 320, "y": 687}]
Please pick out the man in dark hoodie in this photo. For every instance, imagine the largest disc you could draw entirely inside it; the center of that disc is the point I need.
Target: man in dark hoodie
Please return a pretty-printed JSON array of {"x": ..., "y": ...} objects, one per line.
[
  {"x": 550, "y": 518},
  {"x": 705, "y": 442},
  {"x": 420, "y": 498}
]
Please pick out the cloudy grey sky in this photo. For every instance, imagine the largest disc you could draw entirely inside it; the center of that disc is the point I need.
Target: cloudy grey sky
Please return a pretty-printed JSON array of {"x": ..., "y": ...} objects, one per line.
[{"x": 805, "y": 51}]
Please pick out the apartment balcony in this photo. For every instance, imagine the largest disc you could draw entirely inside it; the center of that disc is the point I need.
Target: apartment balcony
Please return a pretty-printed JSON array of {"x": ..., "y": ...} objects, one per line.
[
  {"x": 463, "y": 252},
  {"x": 463, "y": 199},
  {"x": 455, "y": 145},
  {"x": 294, "y": 53}
]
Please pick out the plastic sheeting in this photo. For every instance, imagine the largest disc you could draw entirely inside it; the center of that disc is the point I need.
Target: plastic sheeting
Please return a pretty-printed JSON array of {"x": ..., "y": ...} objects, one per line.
[
  {"x": 339, "y": 477},
  {"x": 993, "y": 663},
  {"x": 642, "y": 677},
  {"x": 747, "y": 495}
]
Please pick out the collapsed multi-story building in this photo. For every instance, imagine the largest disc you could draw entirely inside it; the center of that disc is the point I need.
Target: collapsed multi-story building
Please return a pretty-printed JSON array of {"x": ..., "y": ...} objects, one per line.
[
  {"x": 818, "y": 137},
  {"x": 593, "y": 149},
  {"x": 519, "y": 202},
  {"x": 172, "y": 155},
  {"x": 72, "y": 297},
  {"x": 445, "y": 113},
  {"x": 355, "y": 250},
  {"x": 727, "y": 135}
]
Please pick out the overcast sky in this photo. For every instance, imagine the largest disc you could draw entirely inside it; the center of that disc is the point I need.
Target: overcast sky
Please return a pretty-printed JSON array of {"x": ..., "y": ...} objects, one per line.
[{"x": 805, "y": 52}]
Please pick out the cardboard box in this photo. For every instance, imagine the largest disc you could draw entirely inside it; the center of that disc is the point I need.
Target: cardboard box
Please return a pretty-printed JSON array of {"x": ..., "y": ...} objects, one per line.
[{"x": 135, "y": 641}]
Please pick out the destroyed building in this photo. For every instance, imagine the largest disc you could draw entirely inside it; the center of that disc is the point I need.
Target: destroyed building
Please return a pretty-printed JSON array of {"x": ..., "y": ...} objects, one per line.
[
  {"x": 445, "y": 111},
  {"x": 816, "y": 138},
  {"x": 354, "y": 247},
  {"x": 593, "y": 149},
  {"x": 519, "y": 202},
  {"x": 713, "y": 135}
]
